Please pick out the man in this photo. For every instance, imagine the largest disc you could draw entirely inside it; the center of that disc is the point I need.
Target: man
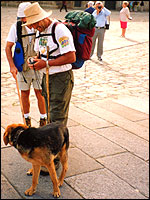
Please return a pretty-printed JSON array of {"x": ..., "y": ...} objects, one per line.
[
  {"x": 61, "y": 78},
  {"x": 27, "y": 74},
  {"x": 90, "y": 8},
  {"x": 64, "y": 5},
  {"x": 100, "y": 15}
]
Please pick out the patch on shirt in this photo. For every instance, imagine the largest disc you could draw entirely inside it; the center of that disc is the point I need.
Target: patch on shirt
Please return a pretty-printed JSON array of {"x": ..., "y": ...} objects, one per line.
[{"x": 64, "y": 41}]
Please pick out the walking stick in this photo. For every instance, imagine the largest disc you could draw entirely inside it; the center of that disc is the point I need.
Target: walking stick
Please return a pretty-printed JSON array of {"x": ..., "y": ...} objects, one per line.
[
  {"x": 20, "y": 102},
  {"x": 47, "y": 86}
]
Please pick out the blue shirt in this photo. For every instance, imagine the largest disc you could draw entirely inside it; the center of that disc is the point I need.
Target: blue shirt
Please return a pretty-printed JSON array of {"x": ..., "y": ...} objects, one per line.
[
  {"x": 90, "y": 10},
  {"x": 101, "y": 17}
]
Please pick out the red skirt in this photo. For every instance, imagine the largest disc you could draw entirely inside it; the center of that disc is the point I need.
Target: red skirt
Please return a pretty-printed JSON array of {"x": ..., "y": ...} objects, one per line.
[{"x": 123, "y": 24}]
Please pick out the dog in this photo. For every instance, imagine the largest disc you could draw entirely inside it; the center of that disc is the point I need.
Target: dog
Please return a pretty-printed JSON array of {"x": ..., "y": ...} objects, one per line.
[{"x": 41, "y": 146}]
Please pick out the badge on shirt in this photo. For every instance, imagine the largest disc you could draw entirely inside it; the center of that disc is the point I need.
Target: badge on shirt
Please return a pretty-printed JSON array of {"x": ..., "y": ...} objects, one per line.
[{"x": 64, "y": 41}]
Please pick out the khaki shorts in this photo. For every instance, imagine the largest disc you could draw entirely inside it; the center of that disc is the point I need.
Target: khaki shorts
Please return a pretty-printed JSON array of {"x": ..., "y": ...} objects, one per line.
[{"x": 32, "y": 77}]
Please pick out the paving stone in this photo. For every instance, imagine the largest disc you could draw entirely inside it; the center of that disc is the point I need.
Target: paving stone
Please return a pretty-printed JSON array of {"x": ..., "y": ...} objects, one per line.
[
  {"x": 115, "y": 119},
  {"x": 127, "y": 140},
  {"x": 8, "y": 190},
  {"x": 87, "y": 119},
  {"x": 124, "y": 111},
  {"x": 103, "y": 184},
  {"x": 131, "y": 169},
  {"x": 91, "y": 143},
  {"x": 15, "y": 167}
]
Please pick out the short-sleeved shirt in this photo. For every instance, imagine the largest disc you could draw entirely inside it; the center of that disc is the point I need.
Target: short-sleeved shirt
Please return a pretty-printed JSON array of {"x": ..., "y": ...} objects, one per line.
[
  {"x": 65, "y": 41},
  {"x": 124, "y": 14},
  {"x": 12, "y": 35}
]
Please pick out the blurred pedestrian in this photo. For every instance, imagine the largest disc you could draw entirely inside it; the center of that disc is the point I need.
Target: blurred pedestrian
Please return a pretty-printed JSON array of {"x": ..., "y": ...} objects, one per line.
[
  {"x": 27, "y": 76},
  {"x": 141, "y": 6},
  {"x": 124, "y": 16},
  {"x": 90, "y": 9},
  {"x": 100, "y": 15},
  {"x": 64, "y": 5}
]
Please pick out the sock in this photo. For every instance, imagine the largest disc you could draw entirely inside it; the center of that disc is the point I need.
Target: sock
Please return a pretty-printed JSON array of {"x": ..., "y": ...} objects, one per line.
[
  {"x": 27, "y": 115},
  {"x": 42, "y": 116}
]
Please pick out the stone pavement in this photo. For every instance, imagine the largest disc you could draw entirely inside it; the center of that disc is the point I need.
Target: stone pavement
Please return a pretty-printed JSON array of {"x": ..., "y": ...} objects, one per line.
[{"x": 108, "y": 120}]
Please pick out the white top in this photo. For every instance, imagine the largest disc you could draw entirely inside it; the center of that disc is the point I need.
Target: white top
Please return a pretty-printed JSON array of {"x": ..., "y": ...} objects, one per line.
[
  {"x": 124, "y": 14},
  {"x": 12, "y": 35},
  {"x": 65, "y": 41}
]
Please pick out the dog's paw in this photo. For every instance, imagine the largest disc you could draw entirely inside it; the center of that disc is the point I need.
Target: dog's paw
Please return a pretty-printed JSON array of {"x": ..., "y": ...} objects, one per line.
[
  {"x": 30, "y": 172},
  {"x": 29, "y": 192},
  {"x": 60, "y": 182},
  {"x": 56, "y": 194}
]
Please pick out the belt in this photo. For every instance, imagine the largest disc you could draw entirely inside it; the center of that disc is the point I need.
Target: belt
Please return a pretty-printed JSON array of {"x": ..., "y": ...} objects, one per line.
[{"x": 99, "y": 27}]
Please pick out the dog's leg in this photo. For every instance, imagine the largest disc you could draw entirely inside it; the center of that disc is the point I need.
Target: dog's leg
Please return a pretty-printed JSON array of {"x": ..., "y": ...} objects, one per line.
[
  {"x": 53, "y": 175},
  {"x": 30, "y": 172},
  {"x": 64, "y": 161},
  {"x": 36, "y": 172}
]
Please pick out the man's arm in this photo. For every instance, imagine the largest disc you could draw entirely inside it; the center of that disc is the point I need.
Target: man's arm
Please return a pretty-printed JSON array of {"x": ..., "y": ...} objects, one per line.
[
  {"x": 8, "y": 50},
  {"x": 66, "y": 58}
]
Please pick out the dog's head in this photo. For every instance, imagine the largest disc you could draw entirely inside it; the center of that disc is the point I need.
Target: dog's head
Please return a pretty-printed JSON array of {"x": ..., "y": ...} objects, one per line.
[{"x": 8, "y": 131}]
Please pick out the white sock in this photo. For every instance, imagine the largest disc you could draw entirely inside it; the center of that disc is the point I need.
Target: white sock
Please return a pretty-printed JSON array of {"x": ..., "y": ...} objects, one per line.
[
  {"x": 42, "y": 116},
  {"x": 27, "y": 115}
]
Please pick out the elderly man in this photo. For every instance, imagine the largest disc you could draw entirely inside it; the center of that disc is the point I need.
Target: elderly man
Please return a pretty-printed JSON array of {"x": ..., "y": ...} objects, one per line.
[
  {"x": 61, "y": 79},
  {"x": 90, "y": 8},
  {"x": 27, "y": 76},
  {"x": 100, "y": 15}
]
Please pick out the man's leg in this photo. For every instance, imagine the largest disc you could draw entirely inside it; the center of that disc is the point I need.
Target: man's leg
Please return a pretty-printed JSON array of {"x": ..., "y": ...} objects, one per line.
[
  {"x": 93, "y": 42},
  {"x": 101, "y": 34}
]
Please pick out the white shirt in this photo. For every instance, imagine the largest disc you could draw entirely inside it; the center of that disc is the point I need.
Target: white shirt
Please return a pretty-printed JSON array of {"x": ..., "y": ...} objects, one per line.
[
  {"x": 12, "y": 35},
  {"x": 65, "y": 41},
  {"x": 124, "y": 14}
]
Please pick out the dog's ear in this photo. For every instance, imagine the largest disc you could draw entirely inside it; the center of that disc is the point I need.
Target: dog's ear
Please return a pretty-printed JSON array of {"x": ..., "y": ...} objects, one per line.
[{"x": 8, "y": 131}]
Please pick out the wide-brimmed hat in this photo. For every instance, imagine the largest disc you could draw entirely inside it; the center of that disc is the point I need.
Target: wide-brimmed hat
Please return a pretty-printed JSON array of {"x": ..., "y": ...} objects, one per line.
[
  {"x": 21, "y": 8},
  {"x": 34, "y": 13}
]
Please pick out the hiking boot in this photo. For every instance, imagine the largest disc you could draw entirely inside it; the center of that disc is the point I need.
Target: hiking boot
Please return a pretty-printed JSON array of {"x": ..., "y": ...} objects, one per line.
[
  {"x": 42, "y": 122},
  {"x": 28, "y": 121}
]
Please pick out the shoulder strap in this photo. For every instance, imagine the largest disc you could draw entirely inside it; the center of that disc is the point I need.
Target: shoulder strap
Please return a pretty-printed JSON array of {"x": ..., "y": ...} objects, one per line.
[{"x": 19, "y": 31}]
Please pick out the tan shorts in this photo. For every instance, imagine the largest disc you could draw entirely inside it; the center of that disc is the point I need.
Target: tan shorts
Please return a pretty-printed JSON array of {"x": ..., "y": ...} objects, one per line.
[{"x": 32, "y": 77}]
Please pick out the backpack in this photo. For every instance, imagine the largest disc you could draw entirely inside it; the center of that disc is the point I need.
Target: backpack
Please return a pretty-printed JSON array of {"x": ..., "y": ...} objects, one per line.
[
  {"x": 19, "y": 51},
  {"x": 82, "y": 26}
]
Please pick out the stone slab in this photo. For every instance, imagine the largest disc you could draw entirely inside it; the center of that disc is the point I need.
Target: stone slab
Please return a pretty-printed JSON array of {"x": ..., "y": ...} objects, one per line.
[
  {"x": 87, "y": 119},
  {"x": 14, "y": 167},
  {"x": 124, "y": 111},
  {"x": 91, "y": 143},
  {"x": 116, "y": 119},
  {"x": 131, "y": 169},
  {"x": 7, "y": 190},
  {"x": 127, "y": 140},
  {"x": 103, "y": 184}
]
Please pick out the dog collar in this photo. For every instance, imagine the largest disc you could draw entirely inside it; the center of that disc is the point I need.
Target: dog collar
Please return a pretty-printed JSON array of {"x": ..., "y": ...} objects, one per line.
[{"x": 15, "y": 139}]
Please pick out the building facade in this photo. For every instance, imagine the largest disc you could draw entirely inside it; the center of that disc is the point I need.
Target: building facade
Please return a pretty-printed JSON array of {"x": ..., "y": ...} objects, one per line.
[{"x": 76, "y": 5}]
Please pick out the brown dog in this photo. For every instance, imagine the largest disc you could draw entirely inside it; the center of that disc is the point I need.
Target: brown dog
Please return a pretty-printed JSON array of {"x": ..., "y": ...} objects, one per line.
[{"x": 40, "y": 146}]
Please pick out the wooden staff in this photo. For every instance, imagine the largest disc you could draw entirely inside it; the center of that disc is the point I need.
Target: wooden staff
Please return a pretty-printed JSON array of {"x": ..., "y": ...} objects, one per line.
[
  {"x": 20, "y": 102},
  {"x": 47, "y": 86}
]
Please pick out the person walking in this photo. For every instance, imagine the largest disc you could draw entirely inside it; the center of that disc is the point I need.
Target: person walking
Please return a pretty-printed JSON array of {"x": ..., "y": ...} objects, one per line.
[
  {"x": 27, "y": 74},
  {"x": 64, "y": 5},
  {"x": 124, "y": 16},
  {"x": 142, "y": 6},
  {"x": 100, "y": 15},
  {"x": 90, "y": 8}
]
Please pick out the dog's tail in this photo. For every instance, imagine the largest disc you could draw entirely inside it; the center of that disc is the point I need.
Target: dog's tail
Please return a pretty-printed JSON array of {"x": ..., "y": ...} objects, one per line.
[{"x": 66, "y": 138}]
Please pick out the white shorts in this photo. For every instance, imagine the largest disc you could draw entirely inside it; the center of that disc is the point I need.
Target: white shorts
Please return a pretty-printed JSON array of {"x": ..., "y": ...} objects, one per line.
[{"x": 32, "y": 77}]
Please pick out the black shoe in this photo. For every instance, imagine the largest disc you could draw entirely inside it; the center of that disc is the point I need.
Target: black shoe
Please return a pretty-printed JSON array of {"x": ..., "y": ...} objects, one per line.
[
  {"x": 100, "y": 59},
  {"x": 28, "y": 121},
  {"x": 42, "y": 122}
]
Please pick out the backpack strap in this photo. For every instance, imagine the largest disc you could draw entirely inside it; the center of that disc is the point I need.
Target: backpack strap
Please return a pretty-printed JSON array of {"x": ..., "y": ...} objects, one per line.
[{"x": 19, "y": 32}]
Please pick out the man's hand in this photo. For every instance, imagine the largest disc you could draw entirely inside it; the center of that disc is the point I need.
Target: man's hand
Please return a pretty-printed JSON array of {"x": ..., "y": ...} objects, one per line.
[
  {"x": 14, "y": 71},
  {"x": 40, "y": 64}
]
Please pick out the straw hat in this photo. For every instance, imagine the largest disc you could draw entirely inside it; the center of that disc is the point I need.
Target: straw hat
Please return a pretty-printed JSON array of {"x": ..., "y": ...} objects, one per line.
[
  {"x": 34, "y": 13},
  {"x": 21, "y": 8}
]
